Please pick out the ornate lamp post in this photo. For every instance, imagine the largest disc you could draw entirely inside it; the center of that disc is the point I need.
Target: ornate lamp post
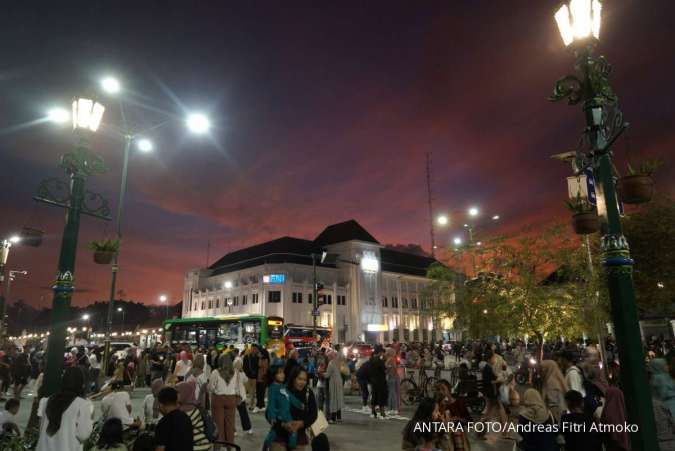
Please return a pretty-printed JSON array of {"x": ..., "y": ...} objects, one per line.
[
  {"x": 579, "y": 24},
  {"x": 78, "y": 165}
]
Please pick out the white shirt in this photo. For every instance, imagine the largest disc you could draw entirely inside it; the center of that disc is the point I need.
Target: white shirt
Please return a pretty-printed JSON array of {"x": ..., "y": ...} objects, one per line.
[
  {"x": 574, "y": 380},
  {"x": 148, "y": 402},
  {"x": 182, "y": 368},
  {"x": 93, "y": 362},
  {"x": 218, "y": 386},
  {"x": 115, "y": 405},
  {"x": 76, "y": 426},
  {"x": 7, "y": 417}
]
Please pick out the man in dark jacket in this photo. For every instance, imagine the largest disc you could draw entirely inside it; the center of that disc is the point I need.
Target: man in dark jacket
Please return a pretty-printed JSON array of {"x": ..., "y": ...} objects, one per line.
[
  {"x": 362, "y": 375},
  {"x": 251, "y": 372}
]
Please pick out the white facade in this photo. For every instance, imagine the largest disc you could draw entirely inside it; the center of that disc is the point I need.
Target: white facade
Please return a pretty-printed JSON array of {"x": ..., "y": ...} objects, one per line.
[{"x": 363, "y": 300}]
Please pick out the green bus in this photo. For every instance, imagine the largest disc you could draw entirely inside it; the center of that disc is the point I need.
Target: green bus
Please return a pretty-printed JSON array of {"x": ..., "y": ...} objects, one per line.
[{"x": 225, "y": 330}]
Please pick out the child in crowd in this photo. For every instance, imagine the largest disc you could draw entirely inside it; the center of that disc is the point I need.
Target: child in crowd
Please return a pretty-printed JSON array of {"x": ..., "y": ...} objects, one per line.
[{"x": 8, "y": 420}]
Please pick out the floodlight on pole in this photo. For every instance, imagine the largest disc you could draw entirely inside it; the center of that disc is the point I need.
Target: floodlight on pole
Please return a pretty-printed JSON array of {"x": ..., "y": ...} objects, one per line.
[
  {"x": 111, "y": 85},
  {"x": 58, "y": 115},
  {"x": 443, "y": 220},
  {"x": 144, "y": 145},
  {"x": 473, "y": 211},
  {"x": 162, "y": 298},
  {"x": 457, "y": 240},
  {"x": 14, "y": 239},
  {"x": 198, "y": 123},
  {"x": 85, "y": 317},
  {"x": 579, "y": 20}
]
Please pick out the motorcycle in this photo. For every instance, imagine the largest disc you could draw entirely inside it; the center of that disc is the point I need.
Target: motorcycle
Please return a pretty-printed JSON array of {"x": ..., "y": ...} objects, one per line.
[{"x": 528, "y": 372}]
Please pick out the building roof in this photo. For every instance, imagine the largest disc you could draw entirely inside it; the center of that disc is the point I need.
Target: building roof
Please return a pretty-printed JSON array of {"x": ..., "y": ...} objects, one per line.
[
  {"x": 295, "y": 250},
  {"x": 344, "y": 231},
  {"x": 405, "y": 263},
  {"x": 282, "y": 250}
]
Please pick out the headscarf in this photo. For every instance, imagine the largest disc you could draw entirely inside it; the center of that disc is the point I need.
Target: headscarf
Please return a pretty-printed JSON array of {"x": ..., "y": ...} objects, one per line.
[
  {"x": 596, "y": 376},
  {"x": 533, "y": 407},
  {"x": 72, "y": 386},
  {"x": 183, "y": 356},
  {"x": 156, "y": 386},
  {"x": 197, "y": 366},
  {"x": 225, "y": 368},
  {"x": 614, "y": 412},
  {"x": 552, "y": 376},
  {"x": 186, "y": 395}
]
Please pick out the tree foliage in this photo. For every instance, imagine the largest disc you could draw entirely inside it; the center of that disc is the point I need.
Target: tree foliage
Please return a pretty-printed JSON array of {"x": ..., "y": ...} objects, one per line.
[
  {"x": 537, "y": 283},
  {"x": 650, "y": 231}
]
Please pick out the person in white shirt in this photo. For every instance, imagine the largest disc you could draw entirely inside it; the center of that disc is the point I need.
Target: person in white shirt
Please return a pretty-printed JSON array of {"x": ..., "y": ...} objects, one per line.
[
  {"x": 183, "y": 366},
  {"x": 118, "y": 405},
  {"x": 241, "y": 380},
  {"x": 573, "y": 375},
  {"x": 94, "y": 370},
  {"x": 224, "y": 389},
  {"x": 66, "y": 418},
  {"x": 151, "y": 413},
  {"x": 8, "y": 420}
]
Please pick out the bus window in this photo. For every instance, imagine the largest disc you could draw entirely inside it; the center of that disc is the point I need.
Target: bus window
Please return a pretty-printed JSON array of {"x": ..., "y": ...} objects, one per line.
[
  {"x": 251, "y": 332},
  {"x": 229, "y": 333}
]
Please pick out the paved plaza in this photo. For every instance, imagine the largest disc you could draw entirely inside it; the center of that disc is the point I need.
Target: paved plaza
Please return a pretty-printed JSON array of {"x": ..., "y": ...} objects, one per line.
[{"x": 358, "y": 430}]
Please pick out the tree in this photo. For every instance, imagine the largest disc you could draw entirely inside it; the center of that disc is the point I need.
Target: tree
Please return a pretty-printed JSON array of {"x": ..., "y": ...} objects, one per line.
[
  {"x": 537, "y": 283},
  {"x": 650, "y": 231}
]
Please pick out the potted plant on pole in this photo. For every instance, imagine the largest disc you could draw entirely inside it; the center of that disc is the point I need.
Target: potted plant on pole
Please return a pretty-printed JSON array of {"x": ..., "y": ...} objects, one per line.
[
  {"x": 31, "y": 236},
  {"x": 104, "y": 250},
  {"x": 638, "y": 186},
  {"x": 585, "y": 218}
]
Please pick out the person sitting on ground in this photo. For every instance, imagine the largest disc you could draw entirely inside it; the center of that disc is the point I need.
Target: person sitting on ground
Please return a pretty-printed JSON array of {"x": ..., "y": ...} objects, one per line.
[
  {"x": 427, "y": 411},
  {"x": 118, "y": 405},
  {"x": 111, "y": 436},
  {"x": 66, "y": 417},
  {"x": 174, "y": 430},
  {"x": 8, "y": 420}
]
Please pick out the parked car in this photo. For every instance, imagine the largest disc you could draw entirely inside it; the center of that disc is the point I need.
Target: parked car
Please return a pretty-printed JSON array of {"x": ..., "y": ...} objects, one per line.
[{"x": 357, "y": 349}]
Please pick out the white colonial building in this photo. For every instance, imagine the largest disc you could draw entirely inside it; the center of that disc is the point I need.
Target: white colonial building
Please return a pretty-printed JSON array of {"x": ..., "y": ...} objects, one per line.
[{"x": 371, "y": 292}]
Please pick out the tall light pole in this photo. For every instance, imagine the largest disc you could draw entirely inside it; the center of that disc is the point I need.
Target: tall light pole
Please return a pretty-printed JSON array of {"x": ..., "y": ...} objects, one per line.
[
  {"x": 5, "y": 246},
  {"x": 121, "y": 310},
  {"x": 579, "y": 24},
  {"x": 163, "y": 299},
  {"x": 197, "y": 123},
  {"x": 78, "y": 165}
]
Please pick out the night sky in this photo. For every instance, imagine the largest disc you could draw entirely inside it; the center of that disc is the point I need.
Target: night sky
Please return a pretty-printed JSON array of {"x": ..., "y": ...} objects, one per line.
[{"x": 322, "y": 112}]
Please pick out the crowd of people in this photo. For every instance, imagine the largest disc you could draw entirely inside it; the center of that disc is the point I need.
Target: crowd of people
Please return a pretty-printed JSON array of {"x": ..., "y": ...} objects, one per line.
[{"x": 196, "y": 395}]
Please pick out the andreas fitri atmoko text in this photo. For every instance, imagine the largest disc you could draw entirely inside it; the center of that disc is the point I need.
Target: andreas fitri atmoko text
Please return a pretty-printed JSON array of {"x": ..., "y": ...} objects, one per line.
[{"x": 494, "y": 426}]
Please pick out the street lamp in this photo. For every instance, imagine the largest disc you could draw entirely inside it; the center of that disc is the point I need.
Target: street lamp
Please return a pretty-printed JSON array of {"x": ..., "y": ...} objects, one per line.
[
  {"x": 79, "y": 165},
  {"x": 579, "y": 25},
  {"x": 144, "y": 145},
  {"x": 121, "y": 310},
  {"x": 457, "y": 240},
  {"x": 86, "y": 317},
  {"x": 443, "y": 220},
  {"x": 111, "y": 85},
  {"x": 163, "y": 300},
  {"x": 198, "y": 123},
  {"x": 473, "y": 212},
  {"x": 58, "y": 115}
]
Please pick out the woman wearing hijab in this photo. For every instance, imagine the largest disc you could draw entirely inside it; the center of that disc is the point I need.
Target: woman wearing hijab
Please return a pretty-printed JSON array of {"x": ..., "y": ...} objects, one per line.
[
  {"x": 532, "y": 413},
  {"x": 151, "y": 413},
  {"x": 183, "y": 366},
  {"x": 335, "y": 387},
  {"x": 553, "y": 388},
  {"x": 187, "y": 402},
  {"x": 223, "y": 388},
  {"x": 393, "y": 382},
  {"x": 595, "y": 385},
  {"x": 377, "y": 376},
  {"x": 427, "y": 412},
  {"x": 614, "y": 413},
  {"x": 199, "y": 373},
  {"x": 663, "y": 386},
  {"x": 66, "y": 417}
]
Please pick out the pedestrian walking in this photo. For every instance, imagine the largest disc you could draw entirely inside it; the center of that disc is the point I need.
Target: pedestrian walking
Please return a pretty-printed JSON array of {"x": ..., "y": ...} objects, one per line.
[
  {"x": 378, "y": 382},
  {"x": 183, "y": 366},
  {"x": 614, "y": 414},
  {"x": 335, "y": 372},
  {"x": 553, "y": 388},
  {"x": 241, "y": 381},
  {"x": 223, "y": 388},
  {"x": 261, "y": 380},
  {"x": 393, "y": 382},
  {"x": 250, "y": 368}
]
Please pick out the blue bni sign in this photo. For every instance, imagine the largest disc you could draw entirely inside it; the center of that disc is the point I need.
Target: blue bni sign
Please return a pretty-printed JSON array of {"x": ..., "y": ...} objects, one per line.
[{"x": 275, "y": 279}]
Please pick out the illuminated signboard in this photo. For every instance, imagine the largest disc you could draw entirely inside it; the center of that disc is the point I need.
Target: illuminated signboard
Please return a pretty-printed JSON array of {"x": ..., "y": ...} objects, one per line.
[{"x": 275, "y": 279}]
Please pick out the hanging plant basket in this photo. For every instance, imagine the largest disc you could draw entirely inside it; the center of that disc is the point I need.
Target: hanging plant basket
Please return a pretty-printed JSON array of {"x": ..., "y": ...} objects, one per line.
[
  {"x": 31, "y": 237},
  {"x": 585, "y": 223},
  {"x": 103, "y": 257},
  {"x": 635, "y": 189}
]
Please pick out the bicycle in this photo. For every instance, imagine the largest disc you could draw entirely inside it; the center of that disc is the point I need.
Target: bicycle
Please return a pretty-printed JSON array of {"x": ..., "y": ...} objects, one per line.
[{"x": 412, "y": 393}]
